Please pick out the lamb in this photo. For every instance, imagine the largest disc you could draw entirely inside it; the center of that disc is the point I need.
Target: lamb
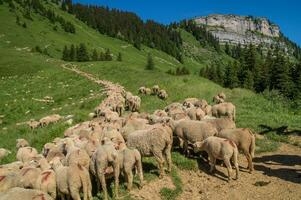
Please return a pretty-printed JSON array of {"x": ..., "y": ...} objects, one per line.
[
  {"x": 45, "y": 121},
  {"x": 26, "y": 154},
  {"x": 156, "y": 141},
  {"x": 130, "y": 159},
  {"x": 219, "y": 148},
  {"x": 142, "y": 90},
  {"x": 244, "y": 140},
  {"x": 104, "y": 162},
  {"x": 190, "y": 131},
  {"x": 221, "y": 123},
  {"x": 4, "y": 153},
  {"x": 155, "y": 89},
  {"x": 224, "y": 110},
  {"x": 195, "y": 113},
  {"x": 134, "y": 103},
  {"x": 162, "y": 94},
  {"x": 207, "y": 110},
  {"x": 24, "y": 194},
  {"x": 71, "y": 180},
  {"x": 201, "y": 103}
]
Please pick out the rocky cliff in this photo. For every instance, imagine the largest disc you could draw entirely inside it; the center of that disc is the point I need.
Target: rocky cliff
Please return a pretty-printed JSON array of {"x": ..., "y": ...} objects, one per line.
[{"x": 240, "y": 29}]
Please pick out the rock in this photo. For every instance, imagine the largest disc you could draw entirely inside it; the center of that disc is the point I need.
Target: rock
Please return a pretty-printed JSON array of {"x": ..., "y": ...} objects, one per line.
[{"x": 240, "y": 29}]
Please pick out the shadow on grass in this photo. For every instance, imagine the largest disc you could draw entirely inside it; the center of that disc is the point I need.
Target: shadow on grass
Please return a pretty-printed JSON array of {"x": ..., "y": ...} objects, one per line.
[
  {"x": 282, "y": 130},
  {"x": 265, "y": 163}
]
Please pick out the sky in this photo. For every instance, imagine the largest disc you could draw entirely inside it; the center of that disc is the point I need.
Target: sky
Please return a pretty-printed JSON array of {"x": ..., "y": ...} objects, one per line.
[{"x": 285, "y": 13}]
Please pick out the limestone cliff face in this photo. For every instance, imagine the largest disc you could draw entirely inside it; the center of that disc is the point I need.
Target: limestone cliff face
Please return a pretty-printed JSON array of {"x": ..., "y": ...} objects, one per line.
[{"x": 240, "y": 29}]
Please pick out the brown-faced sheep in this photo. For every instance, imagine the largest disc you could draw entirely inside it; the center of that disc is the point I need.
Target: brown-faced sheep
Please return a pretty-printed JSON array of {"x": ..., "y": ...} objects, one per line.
[
  {"x": 216, "y": 99},
  {"x": 222, "y": 95},
  {"x": 244, "y": 140},
  {"x": 219, "y": 148},
  {"x": 190, "y": 102},
  {"x": 155, "y": 89},
  {"x": 21, "y": 143},
  {"x": 224, "y": 110},
  {"x": 162, "y": 94}
]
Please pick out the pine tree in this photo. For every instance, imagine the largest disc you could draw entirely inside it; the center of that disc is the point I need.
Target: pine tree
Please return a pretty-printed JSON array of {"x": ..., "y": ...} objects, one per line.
[
  {"x": 72, "y": 53},
  {"x": 227, "y": 49},
  {"x": 66, "y": 54},
  {"x": 94, "y": 56},
  {"x": 230, "y": 78},
  {"x": 150, "y": 63},
  {"x": 82, "y": 53},
  {"x": 119, "y": 57},
  {"x": 108, "y": 56},
  {"x": 248, "y": 82}
]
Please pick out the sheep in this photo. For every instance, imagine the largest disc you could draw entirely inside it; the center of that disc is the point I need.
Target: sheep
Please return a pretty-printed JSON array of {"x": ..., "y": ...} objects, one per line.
[
  {"x": 21, "y": 143},
  {"x": 155, "y": 90},
  {"x": 160, "y": 113},
  {"x": 26, "y": 154},
  {"x": 244, "y": 140},
  {"x": 201, "y": 103},
  {"x": 11, "y": 167},
  {"x": 224, "y": 110},
  {"x": 104, "y": 162},
  {"x": 134, "y": 103},
  {"x": 162, "y": 94},
  {"x": 156, "y": 141},
  {"x": 177, "y": 114},
  {"x": 221, "y": 123},
  {"x": 222, "y": 95},
  {"x": 216, "y": 99},
  {"x": 33, "y": 124},
  {"x": 142, "y": 90},
  {"x": 116, "y": 137},
  {"x": 173, "y": 106},
  {"x": 195, "y": 113},
  {"x": 77, "y": 128},
  {"x": 9, "y": 180},
  {"x": 76, "y": 155},
  {"x": 148, "y": 91},
  {"x": 130, "y": 159},
  {"x": 219, "y": 148},
  {"x": 45, "y": 121},
  {"x": 28, "y": 177},
  {"x": 46, "y": 182},
  {"x": 4, "y": 153},
  {"x": 71, "y": 179},
  {"x": 17, "y": 193},
  {"x": 207, "y": 110},
  {"x": 190, "y": 102},
  {"x": 132, "y": 125},
  {"x": 190, "y": 131}
]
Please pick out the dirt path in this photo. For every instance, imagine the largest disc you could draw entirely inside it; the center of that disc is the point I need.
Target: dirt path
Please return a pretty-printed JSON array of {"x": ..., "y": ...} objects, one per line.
[{"x": 280, "y": 171}]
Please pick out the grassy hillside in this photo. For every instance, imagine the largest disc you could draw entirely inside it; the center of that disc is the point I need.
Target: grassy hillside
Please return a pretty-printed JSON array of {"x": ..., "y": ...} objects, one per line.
[{"x": 25, "y": 76}]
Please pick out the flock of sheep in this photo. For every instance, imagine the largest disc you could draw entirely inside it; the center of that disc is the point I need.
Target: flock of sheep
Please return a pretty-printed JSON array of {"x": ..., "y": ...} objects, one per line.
[{"x": 113, "y": 143}]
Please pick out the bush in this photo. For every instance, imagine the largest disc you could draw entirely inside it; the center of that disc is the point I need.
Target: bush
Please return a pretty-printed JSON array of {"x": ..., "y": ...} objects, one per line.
[{"x": 150, "y": 63}]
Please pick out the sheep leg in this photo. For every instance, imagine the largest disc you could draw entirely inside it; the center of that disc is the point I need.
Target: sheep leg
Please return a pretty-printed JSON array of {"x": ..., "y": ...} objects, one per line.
[
  {"x": 212, "y": 163},
  {"x": 167, "y": 153},
  {"x": 104, "y": 186},
  {"x": 249, "y": 159},
  {"x": 116, "y": 177},
  {"x": 160, "y": 160},
  {"x": 129, "y": 175},
  {"x": 75, "y": 193},
  {"x": 234, "y": 159},
  {"x": 140, "y": 171},
  {"x": 229, "y": 167}
]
